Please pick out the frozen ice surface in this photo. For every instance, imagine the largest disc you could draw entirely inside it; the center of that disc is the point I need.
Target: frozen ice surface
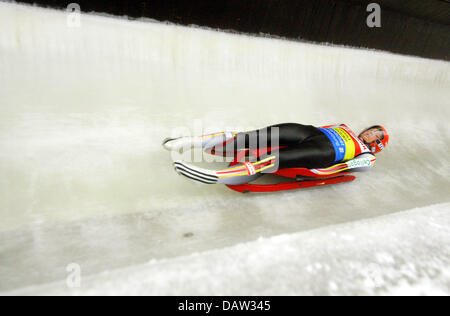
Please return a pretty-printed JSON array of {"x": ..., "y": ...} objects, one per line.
[
  {"x": 84, "y": 179},
  {"x": 407, "y": 253}
]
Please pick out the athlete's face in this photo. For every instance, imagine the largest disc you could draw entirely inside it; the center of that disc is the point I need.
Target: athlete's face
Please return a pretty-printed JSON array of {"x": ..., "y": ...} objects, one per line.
[{"x": 371, "y": 135}]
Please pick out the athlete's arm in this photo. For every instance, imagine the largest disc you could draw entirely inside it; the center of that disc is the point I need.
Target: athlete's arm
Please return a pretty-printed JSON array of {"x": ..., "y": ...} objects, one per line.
[{"x": 363, "y": 162}]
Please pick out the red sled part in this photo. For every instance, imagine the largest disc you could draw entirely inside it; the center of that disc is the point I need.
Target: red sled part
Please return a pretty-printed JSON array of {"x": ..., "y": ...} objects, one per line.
[
  {"x": 305, "y": 177},
  {"x": 246, "y": 188}
]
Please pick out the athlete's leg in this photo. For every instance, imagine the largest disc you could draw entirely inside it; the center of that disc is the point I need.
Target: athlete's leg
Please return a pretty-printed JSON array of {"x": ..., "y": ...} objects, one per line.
[
  {"x": 293, "y": 133},
  {"x": 272, "y": 136},
  {"x": 205, "y": 141},
  {"x": 316, "y": 153},
  {"x": 276, "y": 135},
  {"x": 241, "y": 173}
]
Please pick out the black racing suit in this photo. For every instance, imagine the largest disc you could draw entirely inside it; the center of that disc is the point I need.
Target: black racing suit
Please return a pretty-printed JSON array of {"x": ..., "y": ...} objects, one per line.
[
  {"x": 293, "y": 146},
  {"x": 305, "y": 145}
]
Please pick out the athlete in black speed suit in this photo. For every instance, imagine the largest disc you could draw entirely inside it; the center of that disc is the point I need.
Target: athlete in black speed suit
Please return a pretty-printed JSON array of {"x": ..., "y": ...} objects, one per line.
[
  {"x": 306, "y": 145},
  {"x": 301, "y": 146}
]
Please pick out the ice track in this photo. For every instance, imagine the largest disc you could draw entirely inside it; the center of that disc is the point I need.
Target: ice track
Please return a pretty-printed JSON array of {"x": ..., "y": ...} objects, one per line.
[{"x": 84, "y": 178}]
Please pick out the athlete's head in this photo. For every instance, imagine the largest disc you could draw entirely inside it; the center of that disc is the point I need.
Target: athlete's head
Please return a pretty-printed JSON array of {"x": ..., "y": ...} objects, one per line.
[{"x": 375, "y": 137}]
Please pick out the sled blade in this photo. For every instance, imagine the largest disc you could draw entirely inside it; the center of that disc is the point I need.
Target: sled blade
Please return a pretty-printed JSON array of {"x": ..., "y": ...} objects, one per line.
[{"x": 245, "y": 188}]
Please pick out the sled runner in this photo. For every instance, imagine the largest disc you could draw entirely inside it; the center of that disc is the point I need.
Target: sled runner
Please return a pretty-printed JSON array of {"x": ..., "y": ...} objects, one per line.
[
  {"x": 305, "y": 178},
  {"x": 246, "y": 188}
]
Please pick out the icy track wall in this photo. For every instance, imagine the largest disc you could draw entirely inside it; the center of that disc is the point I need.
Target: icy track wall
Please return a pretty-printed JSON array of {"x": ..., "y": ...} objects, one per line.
[{"x": 84, "y": 110}]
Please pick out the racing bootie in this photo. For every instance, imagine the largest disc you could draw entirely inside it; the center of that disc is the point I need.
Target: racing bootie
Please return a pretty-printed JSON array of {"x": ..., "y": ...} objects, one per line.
[{"x": 204, "y": 142}]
